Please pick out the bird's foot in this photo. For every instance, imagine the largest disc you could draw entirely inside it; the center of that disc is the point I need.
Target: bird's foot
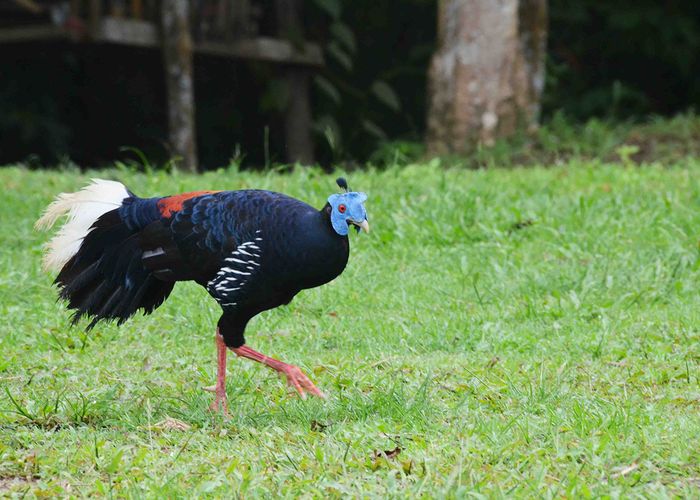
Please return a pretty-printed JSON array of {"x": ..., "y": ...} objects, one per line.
[
  {"x": 299, "y": 381},
  {"x": 295, "y": 377},
  {"x": 220, "y": 403}
]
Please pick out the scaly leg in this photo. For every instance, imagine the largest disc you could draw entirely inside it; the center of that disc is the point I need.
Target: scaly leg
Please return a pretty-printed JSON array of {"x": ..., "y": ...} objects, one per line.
[
  {"x": 295, "y": 377},
  {"x": 220, "y": 403}
]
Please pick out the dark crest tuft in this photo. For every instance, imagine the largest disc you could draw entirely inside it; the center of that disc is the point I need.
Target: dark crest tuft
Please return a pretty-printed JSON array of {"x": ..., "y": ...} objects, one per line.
[{"x": 342, "y": 183}]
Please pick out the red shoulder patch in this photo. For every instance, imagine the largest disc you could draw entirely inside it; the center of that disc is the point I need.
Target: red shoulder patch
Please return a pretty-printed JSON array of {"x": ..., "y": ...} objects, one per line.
[{"x": 171, "y": 204}]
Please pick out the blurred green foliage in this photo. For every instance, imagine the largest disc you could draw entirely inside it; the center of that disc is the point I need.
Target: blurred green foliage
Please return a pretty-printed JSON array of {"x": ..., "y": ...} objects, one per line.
[
  {"x": 623, "y": 59},
  {"x": 612, "y": 61},
  {"x": 560, "y": 140},
  {"x": 372, "y": 90}
]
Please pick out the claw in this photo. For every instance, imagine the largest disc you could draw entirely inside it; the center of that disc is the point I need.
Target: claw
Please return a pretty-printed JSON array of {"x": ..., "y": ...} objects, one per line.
[
  {"x": 220, "y": 404},
  {"x": 300, "y": 382}
]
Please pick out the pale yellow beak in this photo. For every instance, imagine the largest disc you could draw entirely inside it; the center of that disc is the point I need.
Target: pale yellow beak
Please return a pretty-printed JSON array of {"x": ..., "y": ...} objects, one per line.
[{"x": 364, "y": 225}]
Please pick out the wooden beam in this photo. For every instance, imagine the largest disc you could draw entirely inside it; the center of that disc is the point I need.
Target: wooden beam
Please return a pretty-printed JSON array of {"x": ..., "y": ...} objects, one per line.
[
  {"x": 265, "y": 49},
  {"x": 145, "y": 34},
  {"x": 127, "y": 32},
  {"x": 274, "y": 50},
  {"x": 32, "y": 33},
  {"x": 177, "y": 62}
]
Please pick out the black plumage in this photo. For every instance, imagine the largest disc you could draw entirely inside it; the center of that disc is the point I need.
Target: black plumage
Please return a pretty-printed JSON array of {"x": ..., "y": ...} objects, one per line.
[
  {"x": 132, "y": 257},
  {"x": 252, "y": 250}
]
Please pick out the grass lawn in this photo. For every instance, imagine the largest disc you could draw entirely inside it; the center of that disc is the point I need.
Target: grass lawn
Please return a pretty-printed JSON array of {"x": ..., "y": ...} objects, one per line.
[{"x": 530, "y": 332}]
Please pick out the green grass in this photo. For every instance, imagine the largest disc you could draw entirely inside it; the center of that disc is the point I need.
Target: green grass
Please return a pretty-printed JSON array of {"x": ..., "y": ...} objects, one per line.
[{"x": 528, "y": 332}]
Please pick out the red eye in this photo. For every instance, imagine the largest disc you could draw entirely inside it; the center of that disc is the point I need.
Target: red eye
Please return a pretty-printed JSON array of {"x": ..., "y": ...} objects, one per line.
[{"x": 341, "y": 209}]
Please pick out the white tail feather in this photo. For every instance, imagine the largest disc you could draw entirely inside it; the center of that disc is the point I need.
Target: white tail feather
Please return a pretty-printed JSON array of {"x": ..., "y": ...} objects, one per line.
[{"x": 82, "y": 208}]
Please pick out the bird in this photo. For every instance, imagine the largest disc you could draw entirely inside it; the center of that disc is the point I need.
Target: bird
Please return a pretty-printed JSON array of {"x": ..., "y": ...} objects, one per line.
[{"x": 252, "y": 250}]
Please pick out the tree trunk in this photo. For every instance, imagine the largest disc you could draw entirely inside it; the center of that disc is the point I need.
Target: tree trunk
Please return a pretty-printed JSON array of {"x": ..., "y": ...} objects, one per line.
[
  {"x": 177, "y": 58},
  {"x": 299, "y": 145},
  {"x": 486, "y": 77}
]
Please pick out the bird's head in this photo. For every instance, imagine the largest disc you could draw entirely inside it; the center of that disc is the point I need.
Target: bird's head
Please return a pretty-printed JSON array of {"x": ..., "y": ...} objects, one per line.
[{"x": 347, "y": 208}]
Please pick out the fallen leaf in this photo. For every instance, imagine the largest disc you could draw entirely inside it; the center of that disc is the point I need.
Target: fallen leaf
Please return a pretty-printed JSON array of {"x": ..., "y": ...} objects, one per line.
[
  {"x": 521, "y": 224},
  {"x": 620, "y": 364},
  {"x": 493, "y": 362},
  {"x": 172, "y": 424},
  {"x": 317, "y": 426},
  {"x": 626, "y": 470},
  {"x": 333, "y": 314},
  {"x": 387, "y": 453}
]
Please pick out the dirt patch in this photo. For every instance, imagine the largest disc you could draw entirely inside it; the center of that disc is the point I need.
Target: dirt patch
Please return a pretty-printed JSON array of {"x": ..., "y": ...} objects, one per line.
[{"x": 16, "y": 483}]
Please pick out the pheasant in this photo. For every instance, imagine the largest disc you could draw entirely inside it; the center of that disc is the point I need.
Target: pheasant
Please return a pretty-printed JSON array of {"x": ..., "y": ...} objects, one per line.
[{"x": 252, "y": 250}]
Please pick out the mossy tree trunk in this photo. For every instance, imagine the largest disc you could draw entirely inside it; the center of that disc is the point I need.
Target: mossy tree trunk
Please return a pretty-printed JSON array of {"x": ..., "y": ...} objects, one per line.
[{"x": 487, "y": 74}]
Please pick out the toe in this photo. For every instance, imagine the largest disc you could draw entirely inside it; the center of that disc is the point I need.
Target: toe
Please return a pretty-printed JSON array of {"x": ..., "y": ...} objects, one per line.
[
  {"x": 301, "y": 383},
  {"x": 294, "y": 382}
]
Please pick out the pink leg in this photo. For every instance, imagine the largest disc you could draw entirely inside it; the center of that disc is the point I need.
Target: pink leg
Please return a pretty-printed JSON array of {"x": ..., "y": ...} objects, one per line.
[
  {"x": 295, "y": 377},
  {"x": 220, "y": 403}
]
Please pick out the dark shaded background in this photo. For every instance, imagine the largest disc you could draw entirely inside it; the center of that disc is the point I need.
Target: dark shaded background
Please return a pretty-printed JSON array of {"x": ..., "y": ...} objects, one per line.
[{"x": 617, "y": 60}]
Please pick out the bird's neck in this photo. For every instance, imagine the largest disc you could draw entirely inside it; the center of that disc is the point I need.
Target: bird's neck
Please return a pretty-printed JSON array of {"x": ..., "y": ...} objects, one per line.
[{"x": 326, "y": 214}]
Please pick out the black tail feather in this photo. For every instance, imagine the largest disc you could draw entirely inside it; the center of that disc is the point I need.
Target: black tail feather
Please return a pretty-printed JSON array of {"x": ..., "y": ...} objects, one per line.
[
  {"x": 81, "y": 280},
  {"x": 106, "y": 279}
]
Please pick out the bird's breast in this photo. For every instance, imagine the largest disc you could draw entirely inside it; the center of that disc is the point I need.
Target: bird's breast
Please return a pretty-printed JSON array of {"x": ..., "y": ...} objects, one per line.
[{"x": 312, "y": 260}]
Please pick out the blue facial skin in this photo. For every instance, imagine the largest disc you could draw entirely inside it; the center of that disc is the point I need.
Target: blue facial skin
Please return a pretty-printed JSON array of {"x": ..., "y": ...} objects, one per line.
[{"x": 354, "y": 211}]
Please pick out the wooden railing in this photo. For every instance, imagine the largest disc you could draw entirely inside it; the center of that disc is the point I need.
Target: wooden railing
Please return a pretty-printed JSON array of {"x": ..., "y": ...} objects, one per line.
[{"x": 225, "y": 28}]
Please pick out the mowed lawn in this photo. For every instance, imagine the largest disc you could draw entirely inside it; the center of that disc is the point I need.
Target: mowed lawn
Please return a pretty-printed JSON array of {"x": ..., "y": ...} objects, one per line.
[{"x": 529, "y": 332}]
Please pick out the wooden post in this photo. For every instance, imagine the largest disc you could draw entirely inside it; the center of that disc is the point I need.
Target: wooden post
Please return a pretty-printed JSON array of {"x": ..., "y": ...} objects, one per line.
[
  {"x": 297, "y": 114},
  {"x": 177, "y": 58}
]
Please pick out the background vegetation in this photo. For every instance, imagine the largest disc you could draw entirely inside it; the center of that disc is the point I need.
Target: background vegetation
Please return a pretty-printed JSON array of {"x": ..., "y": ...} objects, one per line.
[{"x": 607, "y": 60}]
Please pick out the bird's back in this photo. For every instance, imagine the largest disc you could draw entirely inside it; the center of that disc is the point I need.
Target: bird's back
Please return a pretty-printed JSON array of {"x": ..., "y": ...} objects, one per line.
[
  {"x": 256, "y": 248},
  {"x": 251, "y": 249}
]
